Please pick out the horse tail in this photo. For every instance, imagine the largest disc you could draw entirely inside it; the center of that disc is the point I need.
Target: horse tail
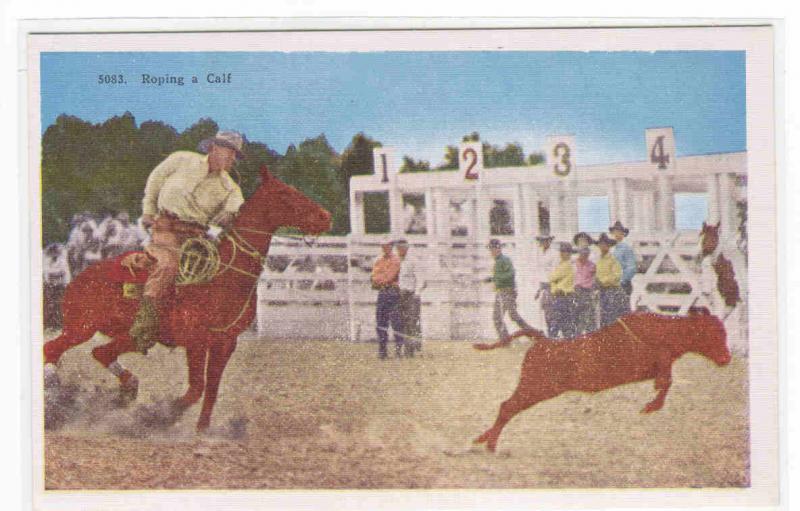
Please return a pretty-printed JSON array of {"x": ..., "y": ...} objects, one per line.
[{"x": 505, "y": 341}]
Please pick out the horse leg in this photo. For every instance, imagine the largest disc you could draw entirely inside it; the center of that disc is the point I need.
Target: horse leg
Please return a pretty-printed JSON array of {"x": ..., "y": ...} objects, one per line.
[
  {"x": 107, "y": 355},
  {"x": 219, "y": 354},
  {"x": 53, "y": 349},
  {"x": 196, "y": 362}
]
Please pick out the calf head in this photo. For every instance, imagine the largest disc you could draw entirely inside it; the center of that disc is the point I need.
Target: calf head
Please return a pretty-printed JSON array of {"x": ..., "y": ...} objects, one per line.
[{"x": 707, "y": 336}]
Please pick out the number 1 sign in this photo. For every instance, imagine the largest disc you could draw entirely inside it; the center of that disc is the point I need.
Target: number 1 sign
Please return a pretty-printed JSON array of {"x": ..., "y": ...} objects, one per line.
[{"x": 660, "y": 148}]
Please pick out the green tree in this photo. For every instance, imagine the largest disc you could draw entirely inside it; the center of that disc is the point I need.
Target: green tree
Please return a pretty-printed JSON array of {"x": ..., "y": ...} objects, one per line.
[
  {"x": 411, "y": 165},
  {"x": 313, "y": 167},
  {"x": 536, "y": 159},
  {"x": 450, "y": 158}
]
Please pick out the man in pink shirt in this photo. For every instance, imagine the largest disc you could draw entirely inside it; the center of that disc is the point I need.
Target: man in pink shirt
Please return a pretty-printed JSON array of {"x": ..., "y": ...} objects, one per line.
[{"x": 585, "y": 308}]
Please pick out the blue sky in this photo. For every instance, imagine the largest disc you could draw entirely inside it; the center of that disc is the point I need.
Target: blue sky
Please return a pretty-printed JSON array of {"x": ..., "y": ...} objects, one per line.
[{"x": 420, "y": 102}]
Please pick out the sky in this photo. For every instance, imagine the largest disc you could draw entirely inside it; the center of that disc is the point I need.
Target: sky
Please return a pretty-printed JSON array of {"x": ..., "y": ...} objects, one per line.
[{"x": 420, "y": 102}]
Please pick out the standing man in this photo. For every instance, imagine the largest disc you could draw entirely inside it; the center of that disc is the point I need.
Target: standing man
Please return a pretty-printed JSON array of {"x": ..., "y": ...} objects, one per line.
[
  {"x": 547, "y": 260},
  {"x": 562, "y": 287},
  {"x": 385, "y": 275},
  {"x": 608, "y": 275},
  {"x": 585, "y": 317},
  {"x": 505, "y": 287},
  {"x": 184, "y": 194},
  {"x": 411, "y": 285},
  {"x": 624, "y": 254}
]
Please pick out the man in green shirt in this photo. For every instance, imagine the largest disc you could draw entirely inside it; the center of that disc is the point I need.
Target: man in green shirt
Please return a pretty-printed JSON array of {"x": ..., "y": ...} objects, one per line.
[{"x": 505, "y": 290}]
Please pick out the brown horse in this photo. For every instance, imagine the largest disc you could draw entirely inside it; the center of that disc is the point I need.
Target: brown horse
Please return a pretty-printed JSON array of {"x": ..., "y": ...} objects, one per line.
[
  {"x": 726, "y": 278},
  {"x": 638, "y": 346},
  {"x": 207, "y": 318}
]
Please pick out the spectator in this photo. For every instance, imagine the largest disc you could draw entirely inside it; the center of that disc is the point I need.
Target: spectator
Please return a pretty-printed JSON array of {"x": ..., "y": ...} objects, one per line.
[
  {"x": 505, "y": 290},
  {"x": 608, "y": 274},
  {"x": 624, "y": 254},
  {"x": 585, "y": 304},
  {"x": 562, "y": 287},
  {"x": 584, "y": 240},
  {"x": 547, "y": 261},
  {"x": 385, "y": 274},
  {"x": 411, "y": 285}
]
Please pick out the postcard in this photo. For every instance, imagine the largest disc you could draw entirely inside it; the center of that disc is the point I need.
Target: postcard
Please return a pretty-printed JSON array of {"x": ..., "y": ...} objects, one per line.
[{"x": 349, "y": 263}]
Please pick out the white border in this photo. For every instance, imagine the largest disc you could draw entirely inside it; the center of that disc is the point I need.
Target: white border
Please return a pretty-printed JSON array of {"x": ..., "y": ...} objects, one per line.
[{"x": 761, "y": 152}]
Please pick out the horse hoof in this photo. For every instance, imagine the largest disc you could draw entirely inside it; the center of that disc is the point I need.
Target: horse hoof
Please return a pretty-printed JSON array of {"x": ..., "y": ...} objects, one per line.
[{"x": 51, "y": 379}]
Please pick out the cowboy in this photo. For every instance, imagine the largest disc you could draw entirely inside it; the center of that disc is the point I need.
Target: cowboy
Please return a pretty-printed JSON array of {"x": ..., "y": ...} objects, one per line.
[
  {"x": 184, "y": 194},
  {"x": 608, "y": 273},
  {"x": 584, "y": 240},
  {"x": 624, "y": 254},
  {"x": 411, "y": 285},
  {"x": 547, "y": 261},
  {"x": 505, "y": 290},
  {"x": 585, "y": 306},
  {"x": 385, "y": 276},
  {"x": 562, "y": 288}
]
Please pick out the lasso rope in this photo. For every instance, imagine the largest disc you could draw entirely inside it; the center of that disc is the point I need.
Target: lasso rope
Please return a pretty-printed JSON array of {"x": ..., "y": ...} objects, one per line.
[{"x": 199, "y": 262}]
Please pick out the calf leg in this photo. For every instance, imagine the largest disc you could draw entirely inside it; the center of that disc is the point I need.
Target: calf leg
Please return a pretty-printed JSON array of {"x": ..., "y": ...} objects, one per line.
[
  {"x": 520, "y": 400},
  {"x": 662, "y": 385}
]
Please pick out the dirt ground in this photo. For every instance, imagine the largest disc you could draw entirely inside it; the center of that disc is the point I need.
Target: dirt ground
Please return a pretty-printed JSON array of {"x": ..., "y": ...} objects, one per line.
[{"x": 331, "y": 415}]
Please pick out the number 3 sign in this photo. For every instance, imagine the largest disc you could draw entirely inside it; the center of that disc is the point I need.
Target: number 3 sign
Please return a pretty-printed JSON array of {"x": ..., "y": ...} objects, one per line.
[
  {"x": 660, "y": 148},
  {"x": 560, "y": 153}
]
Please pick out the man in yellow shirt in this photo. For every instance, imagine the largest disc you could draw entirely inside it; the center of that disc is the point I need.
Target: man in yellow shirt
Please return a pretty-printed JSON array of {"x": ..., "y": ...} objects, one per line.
[
  {"x": 184, "y": 194},
  {"x": 608, "y": 274},
  {"x": 562, "y": 288}
]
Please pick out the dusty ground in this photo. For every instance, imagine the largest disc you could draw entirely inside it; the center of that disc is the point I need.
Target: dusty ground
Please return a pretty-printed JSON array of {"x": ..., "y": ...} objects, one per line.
[{"x": 330, "y": 415}]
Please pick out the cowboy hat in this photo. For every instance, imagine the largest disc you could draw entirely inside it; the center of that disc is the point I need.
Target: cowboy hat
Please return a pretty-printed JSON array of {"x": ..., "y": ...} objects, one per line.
[
  {"x": 230, "y": 139},
  {"x": 545, "y": 238},
  {"x": 584, "y": 235},
  {"x": 494, "y": 243},
  {"x": 618, "y": 227},
  {"x": 605, "y": 239},
  {"x": 565, "y": 247}
]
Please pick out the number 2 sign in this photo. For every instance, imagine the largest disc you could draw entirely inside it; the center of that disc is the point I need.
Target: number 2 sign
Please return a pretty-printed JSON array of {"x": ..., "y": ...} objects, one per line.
[
  {"x": 470, "y": 159},
  {"x": 660, "y": 148}
]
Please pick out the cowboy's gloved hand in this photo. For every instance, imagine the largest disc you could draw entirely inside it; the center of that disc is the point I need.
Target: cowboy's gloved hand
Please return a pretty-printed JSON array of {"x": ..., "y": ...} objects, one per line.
[
  {"x": 225, "y": 219},
  {"x": 147, "y": 221}
]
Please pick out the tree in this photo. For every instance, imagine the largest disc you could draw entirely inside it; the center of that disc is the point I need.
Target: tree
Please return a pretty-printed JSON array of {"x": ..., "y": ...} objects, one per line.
[
  {"x": 450, "y": 158},
  {"x": 411, "y": 165},
  {"x": 509, "y": 156},
  {"x": 357, "y": 160},
  {"x": 536, "y": 159}
]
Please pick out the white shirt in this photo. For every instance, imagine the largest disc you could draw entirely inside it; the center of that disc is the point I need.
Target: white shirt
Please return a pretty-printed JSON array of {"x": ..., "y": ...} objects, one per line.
[
  {"x": 410, "y": 277},
  {"x": 546, "y": 263}
]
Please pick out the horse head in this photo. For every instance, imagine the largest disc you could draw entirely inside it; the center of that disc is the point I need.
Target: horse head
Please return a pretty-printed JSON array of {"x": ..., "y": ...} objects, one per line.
[
  {"x": 275, "y": 204},
  {"x": 709, "y": 238},
  {"x": 707, "y": 336}
]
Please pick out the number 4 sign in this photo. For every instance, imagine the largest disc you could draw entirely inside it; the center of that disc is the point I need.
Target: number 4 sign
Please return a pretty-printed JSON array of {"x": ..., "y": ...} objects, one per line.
[{"x": 660, "y": 148}]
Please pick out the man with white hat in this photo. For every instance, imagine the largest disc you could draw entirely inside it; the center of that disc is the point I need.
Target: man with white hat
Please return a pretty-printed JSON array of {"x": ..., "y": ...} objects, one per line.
[
  {"x": 184, "y": 194},
  {"x": 546, "y": 261},
  {"x": 411, "y": 282}
]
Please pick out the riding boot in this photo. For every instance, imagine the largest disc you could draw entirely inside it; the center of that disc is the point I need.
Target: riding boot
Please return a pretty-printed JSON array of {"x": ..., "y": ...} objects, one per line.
[{"x": 145, "y": 328}]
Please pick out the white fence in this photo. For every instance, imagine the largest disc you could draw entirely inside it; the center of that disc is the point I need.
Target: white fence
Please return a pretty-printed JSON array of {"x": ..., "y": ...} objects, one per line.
[{"x": 323, "y": 291}]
